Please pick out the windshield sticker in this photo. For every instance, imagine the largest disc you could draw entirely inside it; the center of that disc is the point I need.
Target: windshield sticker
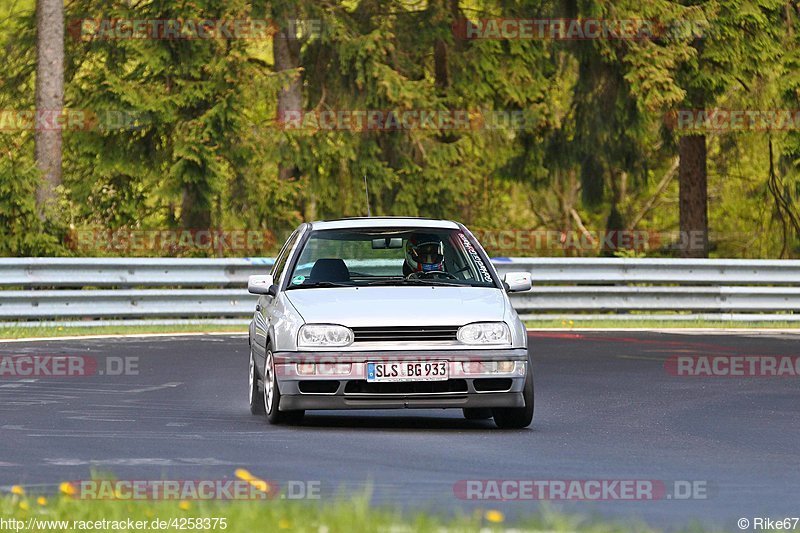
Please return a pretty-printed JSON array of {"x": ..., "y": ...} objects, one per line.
[
  {"x": 298, "y": 280},
  {"x": 484, "y": 272}
]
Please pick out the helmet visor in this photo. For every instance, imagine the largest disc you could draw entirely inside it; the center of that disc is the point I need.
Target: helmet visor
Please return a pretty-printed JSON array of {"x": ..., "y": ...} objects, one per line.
[{"x": 428, "y": 253}]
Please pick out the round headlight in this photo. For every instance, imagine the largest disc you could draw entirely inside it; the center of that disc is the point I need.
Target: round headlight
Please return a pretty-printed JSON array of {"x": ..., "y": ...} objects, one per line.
[
  {"x": 485, "y": 333},
  {"x": 324, "y": 335}
]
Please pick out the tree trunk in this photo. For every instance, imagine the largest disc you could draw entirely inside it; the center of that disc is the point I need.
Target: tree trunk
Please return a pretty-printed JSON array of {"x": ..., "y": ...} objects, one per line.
[
  {"x": 442, "y": 14},
  {"x": 49, "y": 97},
  {"x": 195, "y": 209},
  {"x": 286, "y": 56},
  {"x": 693, "y": 196},
  {"x": 440, "y": 66},
  {"x": 613, "y": 241}
]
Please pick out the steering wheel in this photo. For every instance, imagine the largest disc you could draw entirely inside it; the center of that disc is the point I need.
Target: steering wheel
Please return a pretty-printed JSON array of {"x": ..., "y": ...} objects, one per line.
[{"x": 431, "y": 274}]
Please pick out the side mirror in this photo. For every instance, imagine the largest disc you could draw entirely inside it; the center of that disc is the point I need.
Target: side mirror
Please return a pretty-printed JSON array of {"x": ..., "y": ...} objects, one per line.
[
  {"x": 517, "y": 281},
  {"x": 261, "y": 285}
]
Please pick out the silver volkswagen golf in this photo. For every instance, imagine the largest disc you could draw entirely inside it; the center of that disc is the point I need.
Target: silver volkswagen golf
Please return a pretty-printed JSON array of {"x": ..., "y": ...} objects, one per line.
[{"x": 388, "y": 313}]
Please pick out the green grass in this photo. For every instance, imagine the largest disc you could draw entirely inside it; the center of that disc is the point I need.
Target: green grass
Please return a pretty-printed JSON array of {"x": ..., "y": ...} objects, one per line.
[
  {"x": 658, "y": 324},
  {"x": 345, "y": 514},
  {"x": 19, "y": 332}
]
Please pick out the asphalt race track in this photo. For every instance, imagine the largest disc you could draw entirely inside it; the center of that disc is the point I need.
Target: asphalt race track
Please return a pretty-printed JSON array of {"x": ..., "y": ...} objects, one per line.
[{"x": 607, "y": 408}]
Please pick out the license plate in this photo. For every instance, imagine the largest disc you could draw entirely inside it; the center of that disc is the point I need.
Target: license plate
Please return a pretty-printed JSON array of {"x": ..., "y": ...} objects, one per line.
[{"x": 408, "y": 371}]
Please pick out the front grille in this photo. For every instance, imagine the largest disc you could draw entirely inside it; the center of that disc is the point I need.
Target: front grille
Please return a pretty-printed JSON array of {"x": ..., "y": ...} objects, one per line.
[
  {"x": 405, "y": 334},
  {"x": 406, "y": 387}
]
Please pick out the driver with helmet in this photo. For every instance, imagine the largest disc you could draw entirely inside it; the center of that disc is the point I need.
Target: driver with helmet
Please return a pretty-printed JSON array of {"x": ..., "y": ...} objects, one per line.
[{"x": 424, "y": 253}]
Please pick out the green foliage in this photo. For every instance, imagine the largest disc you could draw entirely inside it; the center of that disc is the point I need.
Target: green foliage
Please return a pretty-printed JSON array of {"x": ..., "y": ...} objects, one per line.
[
  {"x": 20, "y": 230},
  {"x": 200, "y": 147}
]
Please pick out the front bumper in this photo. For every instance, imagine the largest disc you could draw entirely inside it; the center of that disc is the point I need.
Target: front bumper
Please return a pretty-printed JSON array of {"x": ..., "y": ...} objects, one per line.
[{"x": 464, "y": 388}]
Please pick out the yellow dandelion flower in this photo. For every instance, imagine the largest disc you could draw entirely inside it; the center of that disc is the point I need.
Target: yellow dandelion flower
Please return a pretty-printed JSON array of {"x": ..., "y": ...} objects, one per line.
[
  {"x": 19, "y": 491},
  {"x": 260, "y": 484},
  {"x": 67, "y": 488},
  {"x": 494, "y": 516},
  {"x": 257, "y": 483},
  {"x": 184, "y": 505},
  {"x": 41, "y": 500},
  {"x": 241, "y": 473},
  {"x": 284, "y": 524},
  {"x": 24, "y": 505}
]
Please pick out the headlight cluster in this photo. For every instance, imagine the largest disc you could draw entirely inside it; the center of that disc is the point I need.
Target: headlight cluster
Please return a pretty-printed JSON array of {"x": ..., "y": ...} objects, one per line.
[
  {"x": 485, "y": 333},
  {"x": 324, "y": 335}
]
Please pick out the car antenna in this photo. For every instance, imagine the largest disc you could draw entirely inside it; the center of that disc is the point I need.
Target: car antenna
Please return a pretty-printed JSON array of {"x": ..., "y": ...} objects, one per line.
[{"x": 366, "y": 190}]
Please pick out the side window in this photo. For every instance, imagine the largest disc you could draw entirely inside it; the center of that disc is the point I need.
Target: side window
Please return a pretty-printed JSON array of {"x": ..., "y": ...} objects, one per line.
[{"x": 283, "y": 256}]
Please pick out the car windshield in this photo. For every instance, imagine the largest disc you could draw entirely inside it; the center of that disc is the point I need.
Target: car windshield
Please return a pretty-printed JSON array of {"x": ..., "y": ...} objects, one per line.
[{"x": 397, "y": 256}]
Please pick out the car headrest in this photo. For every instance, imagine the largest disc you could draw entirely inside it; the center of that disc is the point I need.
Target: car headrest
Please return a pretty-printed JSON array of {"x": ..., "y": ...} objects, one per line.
[{"x": 329, "y": 270}]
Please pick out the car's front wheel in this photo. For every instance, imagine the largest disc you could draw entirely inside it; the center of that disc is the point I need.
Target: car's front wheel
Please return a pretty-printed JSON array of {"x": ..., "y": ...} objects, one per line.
[
  {"x": 517, "y": 417},
  {"x": 272, "y": 396},
  {"x": 255, "y": 396}
]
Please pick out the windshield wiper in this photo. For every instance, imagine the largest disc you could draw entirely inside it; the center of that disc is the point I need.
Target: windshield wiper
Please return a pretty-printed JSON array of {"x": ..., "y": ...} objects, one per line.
[
  {"x": 320, "y": 284},
  {"x": 391, "y": 281},
  {"x": 406, "y": 281}
]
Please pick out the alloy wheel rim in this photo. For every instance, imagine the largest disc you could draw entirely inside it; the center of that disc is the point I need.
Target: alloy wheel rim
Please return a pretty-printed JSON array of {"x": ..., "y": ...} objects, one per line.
[
  {"x": 252, "y": 380},
  {"x": 269, "y": 383}
]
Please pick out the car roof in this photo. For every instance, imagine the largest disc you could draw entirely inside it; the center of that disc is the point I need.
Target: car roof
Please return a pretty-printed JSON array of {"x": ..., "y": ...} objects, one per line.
[{"x": 383, "y": 222}]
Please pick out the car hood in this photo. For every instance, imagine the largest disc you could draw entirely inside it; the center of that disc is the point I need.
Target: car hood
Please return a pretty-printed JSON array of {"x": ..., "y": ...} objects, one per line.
[{"x": 398, "y": 306}]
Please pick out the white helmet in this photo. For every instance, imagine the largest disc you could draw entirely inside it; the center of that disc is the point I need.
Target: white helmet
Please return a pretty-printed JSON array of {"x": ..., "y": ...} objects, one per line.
[{"x": 425, "y": 253}]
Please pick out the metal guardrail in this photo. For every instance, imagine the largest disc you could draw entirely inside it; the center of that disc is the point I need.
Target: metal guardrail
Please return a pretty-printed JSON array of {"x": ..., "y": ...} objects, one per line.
[
  {"x": 37, "y": 272},
  {"x": 126, "y": 303},
  {"x": 606, "y": 271},
  {"x": 123, "y": 288}
]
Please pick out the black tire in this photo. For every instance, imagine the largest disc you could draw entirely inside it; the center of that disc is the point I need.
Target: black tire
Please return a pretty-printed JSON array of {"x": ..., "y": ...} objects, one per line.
[
  {"x": 477, "y": 413},
  {"x": 517, "y": 417},
  {"x": 255, "y": 398},
  {"x": 272, "y": 397}
]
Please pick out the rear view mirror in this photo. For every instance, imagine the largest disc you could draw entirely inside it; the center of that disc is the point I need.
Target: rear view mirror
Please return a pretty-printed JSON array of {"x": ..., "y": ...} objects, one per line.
[
  {"x": 517, "y": 281},
  {"x": 387, "y": 242}
]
